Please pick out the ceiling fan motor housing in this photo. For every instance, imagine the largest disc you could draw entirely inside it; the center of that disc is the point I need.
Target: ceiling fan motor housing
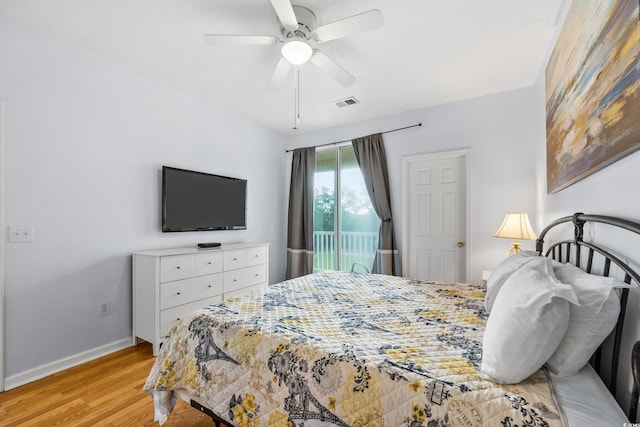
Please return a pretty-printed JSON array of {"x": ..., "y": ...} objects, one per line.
[{"x": 306, "y": 24}]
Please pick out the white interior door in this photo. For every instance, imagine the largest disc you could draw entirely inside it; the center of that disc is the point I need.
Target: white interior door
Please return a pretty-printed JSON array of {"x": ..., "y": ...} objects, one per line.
[{"x": 435, "y": 192}]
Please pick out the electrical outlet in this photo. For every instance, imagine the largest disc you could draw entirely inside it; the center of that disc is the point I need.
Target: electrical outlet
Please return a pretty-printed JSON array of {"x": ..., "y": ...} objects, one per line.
[
  {"x": 21, "y": 234},
  {"x": 105, "y": 308}
]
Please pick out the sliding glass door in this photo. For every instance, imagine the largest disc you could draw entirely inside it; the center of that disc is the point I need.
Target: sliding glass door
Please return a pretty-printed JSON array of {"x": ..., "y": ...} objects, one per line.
[{"x": 345, "y": 226}]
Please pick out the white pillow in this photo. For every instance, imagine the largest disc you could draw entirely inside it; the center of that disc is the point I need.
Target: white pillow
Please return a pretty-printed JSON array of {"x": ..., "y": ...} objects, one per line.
[
  {"x": 527, "y": 323},
  {"x": 502, "y": 272},
  {"x": 590, "y": 322}
]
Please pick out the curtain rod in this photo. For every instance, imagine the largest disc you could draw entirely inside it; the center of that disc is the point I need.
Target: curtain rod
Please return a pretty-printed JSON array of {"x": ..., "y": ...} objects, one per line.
[{"x": 349, "y": 140}]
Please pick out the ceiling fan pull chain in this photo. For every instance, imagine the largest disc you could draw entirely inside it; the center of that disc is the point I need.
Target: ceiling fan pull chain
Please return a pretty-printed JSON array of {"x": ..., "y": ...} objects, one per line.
[{"x": 296, "y": 98}]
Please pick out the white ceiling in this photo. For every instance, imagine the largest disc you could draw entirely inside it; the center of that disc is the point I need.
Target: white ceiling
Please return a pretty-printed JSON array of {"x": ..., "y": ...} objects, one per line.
[{"x": 428, "y": 52}]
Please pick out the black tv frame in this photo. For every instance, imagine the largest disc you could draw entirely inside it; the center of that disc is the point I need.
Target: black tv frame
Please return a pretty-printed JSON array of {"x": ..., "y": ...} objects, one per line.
[{"x": 166, "y": 229}]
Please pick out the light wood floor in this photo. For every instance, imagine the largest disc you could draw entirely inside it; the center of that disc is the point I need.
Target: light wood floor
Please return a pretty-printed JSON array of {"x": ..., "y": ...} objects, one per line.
[{"x": 103, "y": 392}]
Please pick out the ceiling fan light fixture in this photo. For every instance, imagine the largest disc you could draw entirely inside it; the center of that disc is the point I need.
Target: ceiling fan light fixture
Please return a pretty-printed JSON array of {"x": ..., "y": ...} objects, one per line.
[{"x": 297, "y": 52}]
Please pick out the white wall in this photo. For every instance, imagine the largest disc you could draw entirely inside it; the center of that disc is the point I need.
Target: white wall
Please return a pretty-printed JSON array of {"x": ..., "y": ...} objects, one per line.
[
  {"x": 85, "y": 141},
  {"x": 498, "y": 129}
]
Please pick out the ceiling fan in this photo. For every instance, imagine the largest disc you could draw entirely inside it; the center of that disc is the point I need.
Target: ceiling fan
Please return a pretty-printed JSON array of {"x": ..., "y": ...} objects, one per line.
[{"x": 298, "y": 33}]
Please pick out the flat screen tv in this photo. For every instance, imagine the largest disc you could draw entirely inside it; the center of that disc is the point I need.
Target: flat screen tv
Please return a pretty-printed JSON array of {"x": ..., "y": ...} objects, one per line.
[{"x": 198, "y": 201}]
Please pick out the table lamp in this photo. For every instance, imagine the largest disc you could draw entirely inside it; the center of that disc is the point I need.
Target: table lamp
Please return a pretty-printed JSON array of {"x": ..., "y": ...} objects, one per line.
[{"x": 516, "y": 226}]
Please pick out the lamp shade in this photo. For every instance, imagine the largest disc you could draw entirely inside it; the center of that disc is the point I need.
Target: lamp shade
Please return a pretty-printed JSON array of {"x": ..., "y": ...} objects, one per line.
[
  {"x": 296, "y": 51},
  {"x": 516, "y": 225}
]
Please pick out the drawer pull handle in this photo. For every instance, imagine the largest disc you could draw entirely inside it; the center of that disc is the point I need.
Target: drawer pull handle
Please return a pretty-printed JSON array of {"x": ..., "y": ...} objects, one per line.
[
  {"x": 257, "y": 274},
  {"x": 209, "y": 262},
  {"x": 178, "y": 293},
  {"x": 210, "y": 286},
  {"x": 178, "y": 267},
  {"x": 235, "y": 280},
  {"x": 235, "y": 259},
  {"x": 256, "y": 256}
]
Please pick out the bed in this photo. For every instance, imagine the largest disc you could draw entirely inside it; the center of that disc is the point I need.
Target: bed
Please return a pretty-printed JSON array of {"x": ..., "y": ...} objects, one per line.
[{"x": 347, "y": 349}]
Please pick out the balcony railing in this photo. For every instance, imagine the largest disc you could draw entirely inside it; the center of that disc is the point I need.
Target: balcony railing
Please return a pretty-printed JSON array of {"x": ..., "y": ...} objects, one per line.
[{"x": 356, "y": 246}]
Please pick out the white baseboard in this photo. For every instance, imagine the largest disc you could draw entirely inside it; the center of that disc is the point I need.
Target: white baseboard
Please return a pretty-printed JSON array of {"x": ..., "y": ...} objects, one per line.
[{"x": 68, "y": 362}]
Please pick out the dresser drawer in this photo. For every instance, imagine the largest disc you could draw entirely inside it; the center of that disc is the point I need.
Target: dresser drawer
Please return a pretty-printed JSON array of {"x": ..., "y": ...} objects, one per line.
[
  {"x": 234, "y": 280},
  {"x": 256, "y": 255},
  {"x": 239, "y": 279},
  {"x": 238, "y": 292},
  {"x": 177, "y": 267},
  {"x": 208, "y": 263},
  {"x": 256, "y": 274},
  {"x": 183, "y": 291},
  {"x": 171, "y": 315},
  {"x": 235, "y": 259}
]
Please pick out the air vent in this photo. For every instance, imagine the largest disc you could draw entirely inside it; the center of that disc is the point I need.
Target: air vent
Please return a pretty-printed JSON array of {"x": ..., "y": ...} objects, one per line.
[{"x": 346, "y": 102}]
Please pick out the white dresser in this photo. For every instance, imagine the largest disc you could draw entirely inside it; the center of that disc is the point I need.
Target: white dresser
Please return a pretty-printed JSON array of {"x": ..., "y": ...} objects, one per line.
[{"x": 170, "y": 283}]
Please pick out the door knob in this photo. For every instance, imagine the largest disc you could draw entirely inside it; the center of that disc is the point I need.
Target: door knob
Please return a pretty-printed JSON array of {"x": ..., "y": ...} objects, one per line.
[{"x": 460, "y": 244}]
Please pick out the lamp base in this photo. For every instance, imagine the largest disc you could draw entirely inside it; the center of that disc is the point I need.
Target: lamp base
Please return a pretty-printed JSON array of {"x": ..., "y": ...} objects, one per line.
[{"x": 515, "y": 249}]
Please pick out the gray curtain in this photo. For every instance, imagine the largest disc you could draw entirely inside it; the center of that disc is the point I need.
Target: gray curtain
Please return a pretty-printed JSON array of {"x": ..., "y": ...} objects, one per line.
[
  {"x": 372, "y": 160},
  {"x": 300, "y": 222}
]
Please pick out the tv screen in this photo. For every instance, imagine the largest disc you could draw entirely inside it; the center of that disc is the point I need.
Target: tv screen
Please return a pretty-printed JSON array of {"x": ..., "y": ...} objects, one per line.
[{"x": 198, "y": 201}]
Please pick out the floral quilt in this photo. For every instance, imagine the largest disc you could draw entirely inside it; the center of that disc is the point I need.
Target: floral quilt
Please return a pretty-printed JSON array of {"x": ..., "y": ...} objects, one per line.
[{"x": 345, "y": 349}]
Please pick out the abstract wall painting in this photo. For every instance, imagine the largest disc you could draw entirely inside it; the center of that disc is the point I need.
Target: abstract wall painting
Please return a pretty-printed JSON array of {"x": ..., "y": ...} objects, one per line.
[{"x": 593, "y": 90}]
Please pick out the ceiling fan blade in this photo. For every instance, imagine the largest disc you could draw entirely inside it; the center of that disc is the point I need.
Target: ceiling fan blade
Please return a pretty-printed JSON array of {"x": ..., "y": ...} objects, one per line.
[
  {"x": 285, "y": 13},
  {"x": 229, "y": 39},
  {"x": 332, "y": 68},
  {"x": 363, "y": 22},
  {"x": 279, "y": 75}
]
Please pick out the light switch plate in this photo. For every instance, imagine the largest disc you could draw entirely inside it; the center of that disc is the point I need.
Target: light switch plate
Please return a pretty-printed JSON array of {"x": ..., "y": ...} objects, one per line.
[{"x": 21, "y": 234}]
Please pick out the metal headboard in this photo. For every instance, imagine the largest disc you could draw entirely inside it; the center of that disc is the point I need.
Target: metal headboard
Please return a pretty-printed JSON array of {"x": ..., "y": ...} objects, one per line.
[
  {"x": 635, "y": 390},
  {"x": 571, "y": 251}
]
